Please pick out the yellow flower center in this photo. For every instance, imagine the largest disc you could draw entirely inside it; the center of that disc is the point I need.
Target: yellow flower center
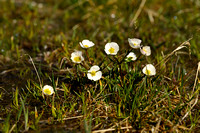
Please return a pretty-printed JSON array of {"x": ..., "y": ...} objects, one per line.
[
  {"x": 86, "y": 46},
  {"x": 93, "y": 73},
  {"x": 134, "y": 44},
  {"x": 148, "y": 72},
  {"x": 47, "y": 91},
  {"x": 77, "y": 59},
  {"x": 144, "y": 50},
  {"x": 111, "y": 50}
]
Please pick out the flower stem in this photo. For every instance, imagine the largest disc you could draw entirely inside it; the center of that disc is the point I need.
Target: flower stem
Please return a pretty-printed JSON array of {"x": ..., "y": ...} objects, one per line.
[{"x": 88, "y": 56}]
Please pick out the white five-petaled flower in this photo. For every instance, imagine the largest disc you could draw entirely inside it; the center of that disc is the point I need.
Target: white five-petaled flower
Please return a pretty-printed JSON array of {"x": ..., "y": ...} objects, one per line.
[
  {"x": 86, "y": 44},
  {"x": 77, "y": 57},
  {"x": 94, "y": 73},
  {"x": 48, "y": 90},
  {"x": 134, "y": 43},
  {"x": 131, "y": 56},
  {"x": 111, "y": 48},
  {"x": 149, "y": 69},
  {"x": 145, "y": 50}
]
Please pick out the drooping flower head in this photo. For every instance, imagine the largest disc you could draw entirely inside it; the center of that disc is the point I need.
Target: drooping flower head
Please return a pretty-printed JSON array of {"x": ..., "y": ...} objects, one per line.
[
  {"x": 77, "y": 57},
  {"x": 94, "y": 73},
  {"x": 48, "y": 90},
  {"x": 134, "y": 43},
  {"x": 149, "y": 69},
  {"x": 131, "y": 57},
  {"x": 86, "y": 44},
  {"x": 145, "y": 50},
  {"x": 111, "y": 48}
]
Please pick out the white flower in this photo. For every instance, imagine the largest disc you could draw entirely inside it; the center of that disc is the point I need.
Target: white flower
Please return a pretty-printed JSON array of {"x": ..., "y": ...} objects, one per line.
[
  {"x": 111, "y": 48},
  {"x": 77, "y": 57},
  {"x": 145, "y": 50},
  {"x": 94, "y": 73},
  {"x": 131, "y": 56},
  {"x": 134, "y": 43},
  {"x": 149, "y": 69},
  {"x": 47, "y": 90},
  {"x": 86, "y": 44}
]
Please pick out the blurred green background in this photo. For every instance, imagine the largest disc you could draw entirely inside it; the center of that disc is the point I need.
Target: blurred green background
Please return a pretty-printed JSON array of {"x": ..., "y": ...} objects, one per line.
[{"x": 35, "y": 26}]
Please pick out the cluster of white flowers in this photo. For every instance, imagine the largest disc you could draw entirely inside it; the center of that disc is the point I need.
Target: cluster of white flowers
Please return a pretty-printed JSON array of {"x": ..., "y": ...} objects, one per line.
[
  {"x": 135, "y": 43},
  {"x": 149, "y": 69},
  {"x": 111, "y": 48},
  {"x": 94, "y": 73}
]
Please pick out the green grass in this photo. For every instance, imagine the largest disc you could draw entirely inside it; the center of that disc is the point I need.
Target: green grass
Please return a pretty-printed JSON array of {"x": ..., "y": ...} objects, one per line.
[{"x": 124, "y": 99}]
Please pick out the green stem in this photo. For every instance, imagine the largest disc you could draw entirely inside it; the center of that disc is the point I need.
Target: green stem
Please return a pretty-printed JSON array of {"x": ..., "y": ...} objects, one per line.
[{"x": 88, "y": 57}]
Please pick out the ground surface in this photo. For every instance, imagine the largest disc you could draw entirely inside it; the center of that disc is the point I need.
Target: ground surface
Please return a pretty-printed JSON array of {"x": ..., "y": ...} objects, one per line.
[{"x": 125, "y": 100}]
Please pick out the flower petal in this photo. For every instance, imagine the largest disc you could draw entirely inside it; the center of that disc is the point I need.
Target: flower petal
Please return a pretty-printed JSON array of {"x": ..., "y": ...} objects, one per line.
[
  {"x": 94, "y": 68},
  {"x": 111, "y": 48},
  {"x": 86, "y": 44},
  {"x": 149, "y": 69},
  {"x": 97, "y": 76},
  {"x": 89, "y": 76},
  {"x": 146, "y": 50},
  {"x": 132, "y": 56},
  {"x": 94, "y": 73},
  {"x": 48, "y": 90},
  {"x": 77, "y": 57},
  {"x": 134, "y": 43}
]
